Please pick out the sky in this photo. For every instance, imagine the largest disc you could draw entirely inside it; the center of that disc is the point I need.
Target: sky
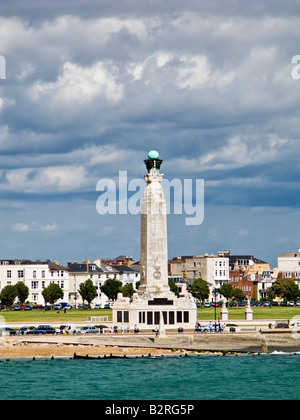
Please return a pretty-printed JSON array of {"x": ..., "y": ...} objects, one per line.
[{"x": 92, "y": 86}]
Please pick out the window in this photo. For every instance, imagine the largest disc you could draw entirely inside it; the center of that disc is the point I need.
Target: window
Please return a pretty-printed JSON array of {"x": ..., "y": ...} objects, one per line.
[
  {"x": 62, "y": 284},
  {"x": 20, "y": 274},
  {"x": 8, "y": 274},
  {"x": 34, "y": 274},
  {"x": 43, "y": 284},
  {"x": 119, "y": 316},
  {"x": 43, "y": 274},
  {"x": 185, "y": 316},
  {"x": 126, "y": 316},
  {"x": 34, "y": 284},
  {"x": 179, "y": 316},
  {"x": 171, "y": 317},
  {"x": 142, "y": 317},
  {"x": 62, "y": 273},
  {"x": 35, "y": 297}
]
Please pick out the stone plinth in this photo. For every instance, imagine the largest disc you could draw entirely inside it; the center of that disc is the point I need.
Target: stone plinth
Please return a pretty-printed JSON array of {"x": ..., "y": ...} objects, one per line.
[
  {"x": 248, "y": 312},
  {"x": 224, "y": 312},
  {"x": 146, "y": 311}
]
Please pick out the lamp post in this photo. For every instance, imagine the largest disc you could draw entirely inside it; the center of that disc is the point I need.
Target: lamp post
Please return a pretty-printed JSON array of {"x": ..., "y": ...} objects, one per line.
[{"x": 215, "y": 292}]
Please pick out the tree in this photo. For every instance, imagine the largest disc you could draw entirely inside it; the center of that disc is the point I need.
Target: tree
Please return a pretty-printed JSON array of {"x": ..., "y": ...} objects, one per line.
[
  {"x": 128, "y": 290},
  {"x": 279, "y": 287},
  {"x": 286, "y": 289},
  {"x": 111, "y": 288},
  {"x": 88, "y": 291},
  {"x": 226, "y": 290},
  {"x": 8, "y": 295},
  {"x": 173, "y": 287},
  {"x": 22, "y": 292},
  {"x": 292, "y": 291},
  {"x": 238, "y": 294},
  {"x": 52, "y": 293},
  {"x": 199, "y": 289}
]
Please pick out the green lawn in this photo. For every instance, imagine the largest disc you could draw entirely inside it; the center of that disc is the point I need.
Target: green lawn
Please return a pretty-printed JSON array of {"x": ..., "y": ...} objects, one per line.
[
  {"x": 46, "y": 317},
  {"x": 275, "y": 312},
  {"x": 81, "y": 315}
]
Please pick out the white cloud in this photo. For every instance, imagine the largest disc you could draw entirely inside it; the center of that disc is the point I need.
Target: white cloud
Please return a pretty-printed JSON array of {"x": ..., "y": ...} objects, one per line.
[
  {"x": 193, "y": 72},
  {"x": 78, "y": 86},
  {"x": 45, "y": 180},
  {"x": 20, "y": 227},
  {"x": 240, "y": 151},
  {"x": 50, "y": 227},
  {"x": 34, "y": 226}
]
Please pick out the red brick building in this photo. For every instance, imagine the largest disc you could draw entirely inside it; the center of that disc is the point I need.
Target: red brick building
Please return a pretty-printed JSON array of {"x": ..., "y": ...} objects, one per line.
[{"x": 240, "y": 280}]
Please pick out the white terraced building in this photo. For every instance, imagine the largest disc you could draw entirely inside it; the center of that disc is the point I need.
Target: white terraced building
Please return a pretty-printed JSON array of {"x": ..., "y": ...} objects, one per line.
[{"x": 37, "y": 275}]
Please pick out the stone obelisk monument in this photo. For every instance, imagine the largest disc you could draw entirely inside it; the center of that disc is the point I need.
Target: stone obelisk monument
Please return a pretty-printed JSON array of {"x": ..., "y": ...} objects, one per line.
[
  {"x": 154, "y": 303},
  {"x": 154, "y": 247}
]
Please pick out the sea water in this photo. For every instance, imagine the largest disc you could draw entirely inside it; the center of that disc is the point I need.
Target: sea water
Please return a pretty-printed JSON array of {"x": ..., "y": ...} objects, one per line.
[{"x": 202, "y": 377}]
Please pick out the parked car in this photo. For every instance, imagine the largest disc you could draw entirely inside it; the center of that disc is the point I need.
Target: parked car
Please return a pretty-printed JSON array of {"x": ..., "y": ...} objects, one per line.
[
  {"x": 45, "y": 329},
  {"x": 27, "y": 308},
  {"x": 27, "y": 330},
  {"x": 88, "y": 330},
  {"x": 283, "y": 303},
  {"x": 298, "y": 303},
  {"x": 17, "y": 308},
  {"x": 2, "y": 307},
  {"x": 232, "y": 304},
  {"x": 67, "y": 328},
  {"x": 291, "y": 303},
  {"x": 97, "y": 306},
  {"x": 212, "y": 327},
  {"x": 282, "y": 325},
  {"x": 81, "y": 306},
  {"x": 6, "y": 331},
  {"x": 68, "y": 307},
  {"x": 38, "y": 307},
  {"x": 266, "y": 303}
]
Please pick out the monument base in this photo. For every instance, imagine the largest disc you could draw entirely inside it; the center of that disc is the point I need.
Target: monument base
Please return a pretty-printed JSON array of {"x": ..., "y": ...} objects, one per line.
[{"x": 145, "y": 311}]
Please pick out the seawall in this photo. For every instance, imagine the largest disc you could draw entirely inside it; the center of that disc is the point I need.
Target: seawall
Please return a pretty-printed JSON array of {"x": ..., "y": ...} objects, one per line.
[{"x": 266, "y": 341}]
